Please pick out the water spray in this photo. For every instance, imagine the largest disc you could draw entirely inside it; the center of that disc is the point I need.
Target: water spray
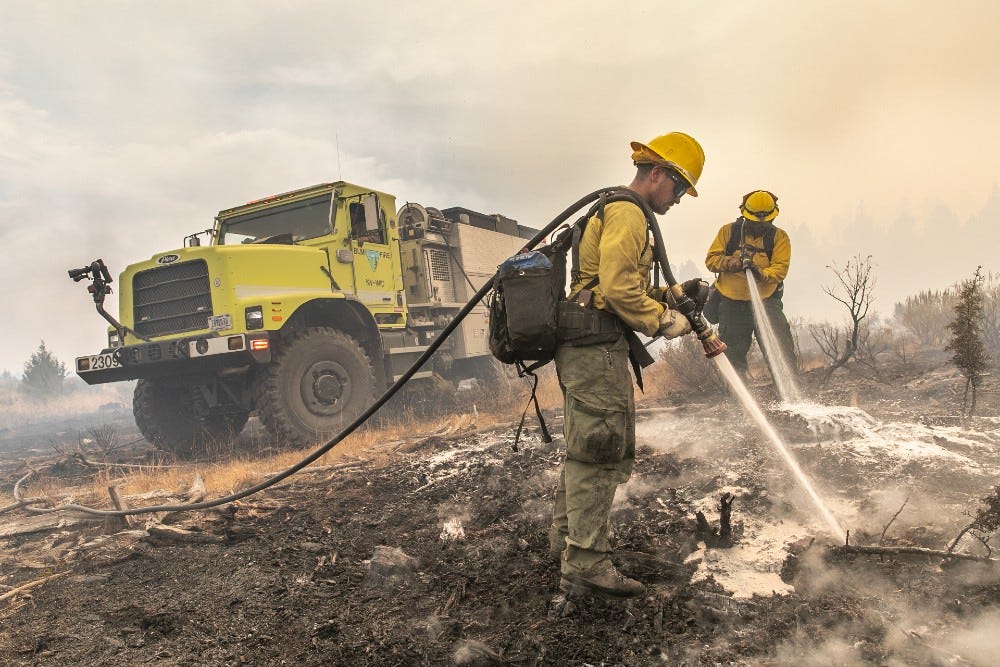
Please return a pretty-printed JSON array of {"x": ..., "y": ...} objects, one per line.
[
  {"x": 781, "y": 369},
  {"x": 714, "y": 347},
  {"x": 733, "y": 378}
]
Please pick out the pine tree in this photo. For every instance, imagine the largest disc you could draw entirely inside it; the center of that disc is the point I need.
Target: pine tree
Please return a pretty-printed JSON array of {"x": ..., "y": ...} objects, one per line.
[
  {"x": 967, "y": 338},
  {"x": 43, "y": 375}
]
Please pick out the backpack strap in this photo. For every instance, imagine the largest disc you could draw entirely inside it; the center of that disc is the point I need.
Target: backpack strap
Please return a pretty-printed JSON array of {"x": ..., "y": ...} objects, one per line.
[
  {"x": 736, "y": 240},
  {"x": 576, "y": 234},
  {"x": 735, "y": 236},
  {"x": 589, "y": 285},
  {"x": 522, "y": 371},
  {"x": 613, "y": 195},
  {"x": 769, "y": 234}
]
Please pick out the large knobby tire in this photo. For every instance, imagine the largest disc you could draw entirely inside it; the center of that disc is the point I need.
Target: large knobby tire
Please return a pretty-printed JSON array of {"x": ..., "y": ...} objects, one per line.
[
  {"x": 169, "y": 417},
  {"x": 318, "y": 383}
]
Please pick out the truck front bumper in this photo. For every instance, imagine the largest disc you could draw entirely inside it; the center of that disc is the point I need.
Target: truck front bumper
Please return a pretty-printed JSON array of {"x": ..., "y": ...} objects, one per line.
[{"x": 194, "y": 355}]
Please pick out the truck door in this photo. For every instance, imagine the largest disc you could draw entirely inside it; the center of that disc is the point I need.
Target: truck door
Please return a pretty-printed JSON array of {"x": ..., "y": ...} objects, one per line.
[{"x": 373, "y": 267}]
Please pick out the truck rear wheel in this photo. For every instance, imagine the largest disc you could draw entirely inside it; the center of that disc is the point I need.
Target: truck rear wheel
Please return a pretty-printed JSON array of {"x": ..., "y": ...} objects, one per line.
[
  {"x": 171, "y": 418},
  {"x": 319, "y": 382}
]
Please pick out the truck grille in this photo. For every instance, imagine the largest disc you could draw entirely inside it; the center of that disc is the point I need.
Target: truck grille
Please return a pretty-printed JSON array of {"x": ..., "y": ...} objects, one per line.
[
  {"x": 439, "y": 263},
  {"x": 171, "y": 299},
  {"x": 442, "y": 288}
]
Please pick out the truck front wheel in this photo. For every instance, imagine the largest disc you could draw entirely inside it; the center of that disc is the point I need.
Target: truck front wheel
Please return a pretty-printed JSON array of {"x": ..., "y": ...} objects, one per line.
[
  {"x": 171, "y": 418},
  {"x": 319, "y": 382}
]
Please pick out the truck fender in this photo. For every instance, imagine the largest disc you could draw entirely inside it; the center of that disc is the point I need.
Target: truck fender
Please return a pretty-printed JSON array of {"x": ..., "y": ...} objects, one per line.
[{"x": 347, "y": 315}]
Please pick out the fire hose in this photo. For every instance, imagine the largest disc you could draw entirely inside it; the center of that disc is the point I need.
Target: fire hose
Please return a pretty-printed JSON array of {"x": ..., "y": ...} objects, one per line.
[{"x": 683, "y": 304}]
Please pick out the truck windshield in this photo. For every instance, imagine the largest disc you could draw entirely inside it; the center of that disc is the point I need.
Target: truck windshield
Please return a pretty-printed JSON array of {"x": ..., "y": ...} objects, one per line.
[{"x": 300, "y": 220}]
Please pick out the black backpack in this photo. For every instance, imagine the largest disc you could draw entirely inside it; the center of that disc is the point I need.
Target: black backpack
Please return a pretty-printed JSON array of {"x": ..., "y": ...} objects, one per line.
[
  {"x": 529, "y": 295},
  {"x": 523, "y": 309}
]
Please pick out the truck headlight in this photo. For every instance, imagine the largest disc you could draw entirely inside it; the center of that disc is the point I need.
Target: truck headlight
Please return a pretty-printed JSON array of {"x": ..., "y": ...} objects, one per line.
[
  {"x": 255, "y": 318},
  {"x": 114, "y": 340}
]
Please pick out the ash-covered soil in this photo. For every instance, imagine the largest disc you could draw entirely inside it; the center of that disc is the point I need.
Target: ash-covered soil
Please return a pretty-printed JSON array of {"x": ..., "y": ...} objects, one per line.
[{"x": 440, "y": 557}]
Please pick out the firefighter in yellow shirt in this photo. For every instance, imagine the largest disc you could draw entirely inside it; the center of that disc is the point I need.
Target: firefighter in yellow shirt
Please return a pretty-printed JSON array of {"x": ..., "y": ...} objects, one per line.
[
  {"x": 752, "y": 242},
  {"x": 615, "y": 256}
]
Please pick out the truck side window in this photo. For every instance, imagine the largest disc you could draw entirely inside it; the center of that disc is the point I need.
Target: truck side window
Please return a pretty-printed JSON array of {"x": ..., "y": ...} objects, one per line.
[
  {"x": 358, "y": 230},
  {"x": 366, "y": 221}
]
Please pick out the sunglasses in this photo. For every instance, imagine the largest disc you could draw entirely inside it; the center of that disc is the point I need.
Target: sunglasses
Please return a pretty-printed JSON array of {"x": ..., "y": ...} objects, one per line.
[{"x": 680, "y": 185}]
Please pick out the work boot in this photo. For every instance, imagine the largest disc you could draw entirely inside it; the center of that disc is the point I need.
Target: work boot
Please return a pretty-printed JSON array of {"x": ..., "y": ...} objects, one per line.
[{"x": 602, "y": 580}]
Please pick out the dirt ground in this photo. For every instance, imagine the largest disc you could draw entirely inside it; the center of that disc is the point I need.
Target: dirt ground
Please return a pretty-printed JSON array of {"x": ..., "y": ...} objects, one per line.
[{"x": 440, "y": 556}]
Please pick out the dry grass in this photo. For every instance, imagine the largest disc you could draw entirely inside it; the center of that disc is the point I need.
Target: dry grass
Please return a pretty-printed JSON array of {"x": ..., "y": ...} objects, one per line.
[
  {"x": 223, "y": 477},
  {"x": 682, "y": 369},
  {"x": 499, "y": 402}
]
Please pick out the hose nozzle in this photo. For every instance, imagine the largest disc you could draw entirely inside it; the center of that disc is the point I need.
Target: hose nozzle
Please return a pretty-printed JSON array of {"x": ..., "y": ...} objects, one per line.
[
  {"x": 691, "y": 309},
  {"x": 713, "y": 344}
]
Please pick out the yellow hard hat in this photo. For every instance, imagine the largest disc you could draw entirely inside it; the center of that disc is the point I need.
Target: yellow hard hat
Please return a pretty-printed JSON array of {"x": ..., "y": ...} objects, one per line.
[
  {"x": 676, "y": 151},
  {"x": 759, "y": 205}
]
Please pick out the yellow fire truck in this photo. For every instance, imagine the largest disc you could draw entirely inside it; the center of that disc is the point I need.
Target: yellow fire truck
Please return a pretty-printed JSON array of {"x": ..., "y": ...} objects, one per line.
[{"x": 302, "y": 307}]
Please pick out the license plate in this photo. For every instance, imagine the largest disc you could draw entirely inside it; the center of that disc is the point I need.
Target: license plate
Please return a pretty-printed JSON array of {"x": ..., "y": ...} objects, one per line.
[
  {"x": 220, "y": 322},
  {"x": 100, "y": 362}
]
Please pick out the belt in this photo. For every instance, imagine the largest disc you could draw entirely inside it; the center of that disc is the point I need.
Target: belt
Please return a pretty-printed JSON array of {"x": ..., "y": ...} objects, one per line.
[
  {"x": 580, "y": 326},
  {"x": 587, "y": 326}
]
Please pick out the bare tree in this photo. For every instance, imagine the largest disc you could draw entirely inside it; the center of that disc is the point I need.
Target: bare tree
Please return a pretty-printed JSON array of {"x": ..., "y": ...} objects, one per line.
[
  {"x": 854, "y": 289},
  {"x": 902, "y": 345},
  {"x": 984, "y": 523},
  {"x": 829, "y": 338},
  {"x": 873, "y": 340}
]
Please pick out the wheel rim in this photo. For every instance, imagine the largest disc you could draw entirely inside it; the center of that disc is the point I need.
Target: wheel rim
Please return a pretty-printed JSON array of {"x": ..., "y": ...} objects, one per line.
[{"x": 326, "y": 388}]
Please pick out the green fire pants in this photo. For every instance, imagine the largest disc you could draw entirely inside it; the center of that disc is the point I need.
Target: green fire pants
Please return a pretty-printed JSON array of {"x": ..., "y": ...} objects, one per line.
[
  {"x": 599, "y": 428},
  {"x": 736, "y": 329}
]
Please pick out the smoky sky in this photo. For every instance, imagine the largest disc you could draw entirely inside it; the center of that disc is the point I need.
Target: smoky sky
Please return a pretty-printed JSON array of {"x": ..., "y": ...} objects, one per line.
[{"x": 125, "y": 126}]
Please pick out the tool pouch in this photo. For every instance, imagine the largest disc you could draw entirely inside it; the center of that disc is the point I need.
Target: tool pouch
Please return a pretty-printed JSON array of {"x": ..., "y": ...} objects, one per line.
[{"x": 580, "y": 326}]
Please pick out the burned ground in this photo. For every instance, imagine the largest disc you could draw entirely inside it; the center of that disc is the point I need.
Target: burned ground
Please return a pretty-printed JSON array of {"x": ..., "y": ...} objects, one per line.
[{"x": 440, "y": 556}]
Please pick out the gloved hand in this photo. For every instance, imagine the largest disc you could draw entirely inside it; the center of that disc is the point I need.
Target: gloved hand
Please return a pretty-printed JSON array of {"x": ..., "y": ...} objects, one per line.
[
  {"x": 673, "y": 324},
  {"x": 696, "y": 289},
  {"x": 733, "y": 265},
  {"x": 757, "y": 273}
]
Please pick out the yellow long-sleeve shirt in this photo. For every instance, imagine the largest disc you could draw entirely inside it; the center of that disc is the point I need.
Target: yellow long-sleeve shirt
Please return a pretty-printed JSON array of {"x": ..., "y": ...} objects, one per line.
[
  {"x": 618, "y": 251},
  {"x": 773, "y": 270}
]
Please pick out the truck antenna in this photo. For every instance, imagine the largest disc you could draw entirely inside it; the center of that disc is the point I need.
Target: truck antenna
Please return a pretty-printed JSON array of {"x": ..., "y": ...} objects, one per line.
[{"x": 340, "y": 172}]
